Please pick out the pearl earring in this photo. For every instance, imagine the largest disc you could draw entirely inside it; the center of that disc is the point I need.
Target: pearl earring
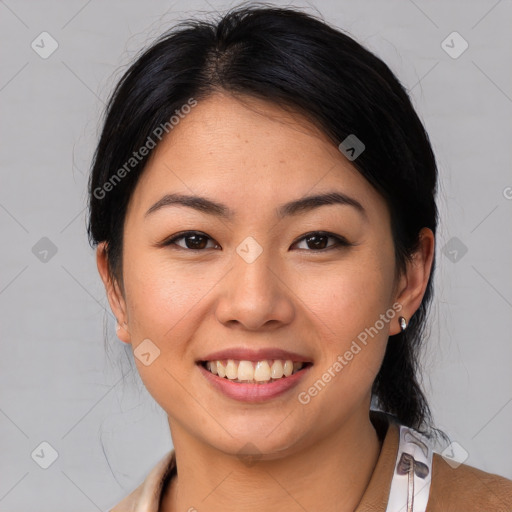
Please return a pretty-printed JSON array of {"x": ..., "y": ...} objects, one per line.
[{"x": 403, "y": 323}]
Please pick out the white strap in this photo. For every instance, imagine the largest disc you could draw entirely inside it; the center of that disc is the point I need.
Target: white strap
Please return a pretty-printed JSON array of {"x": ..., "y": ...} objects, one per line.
[{"x": 410, "y": 485}]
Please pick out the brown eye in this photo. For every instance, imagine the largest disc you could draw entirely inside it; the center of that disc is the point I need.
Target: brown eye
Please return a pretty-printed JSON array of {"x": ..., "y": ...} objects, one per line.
[
  {"x": 318, "y": 241},
  {"x": 192, "y": 240}
]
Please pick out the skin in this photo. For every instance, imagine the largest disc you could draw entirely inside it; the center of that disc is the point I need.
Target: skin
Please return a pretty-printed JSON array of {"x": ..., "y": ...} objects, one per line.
[{"x": 252, "y": 157}]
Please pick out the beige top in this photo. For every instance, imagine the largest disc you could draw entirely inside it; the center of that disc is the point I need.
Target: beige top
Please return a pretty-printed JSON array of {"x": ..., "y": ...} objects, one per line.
[{"x": 463, "y": 488}]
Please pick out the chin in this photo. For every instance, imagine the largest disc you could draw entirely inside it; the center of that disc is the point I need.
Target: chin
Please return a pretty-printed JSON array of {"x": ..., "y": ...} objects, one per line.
[{"x": 267, "y": 441}]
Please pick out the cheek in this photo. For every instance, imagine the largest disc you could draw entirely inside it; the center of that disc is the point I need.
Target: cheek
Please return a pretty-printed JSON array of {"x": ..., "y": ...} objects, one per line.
[
  {"x": 347, "y": 303},
  {"x": 165, "y": 306},
  {"x": 348, "y": 296},
  {"x": 163, "y": 299}
]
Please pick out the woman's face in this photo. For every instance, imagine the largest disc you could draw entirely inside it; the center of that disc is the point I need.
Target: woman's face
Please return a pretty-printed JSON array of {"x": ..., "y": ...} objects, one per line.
[{"x": 256, "y": 276}]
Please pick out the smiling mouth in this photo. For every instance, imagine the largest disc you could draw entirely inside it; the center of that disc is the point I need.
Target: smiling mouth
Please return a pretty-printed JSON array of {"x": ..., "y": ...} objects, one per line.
[{"x": 254, "y": 372}]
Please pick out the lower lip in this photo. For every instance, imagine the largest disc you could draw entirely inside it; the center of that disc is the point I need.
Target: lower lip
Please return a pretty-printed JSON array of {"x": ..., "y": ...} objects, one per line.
[{"x": 254, "y": 392}]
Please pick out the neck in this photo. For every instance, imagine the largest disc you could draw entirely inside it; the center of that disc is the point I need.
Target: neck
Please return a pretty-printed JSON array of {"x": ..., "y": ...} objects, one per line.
[{"x": 329, "y": 475}]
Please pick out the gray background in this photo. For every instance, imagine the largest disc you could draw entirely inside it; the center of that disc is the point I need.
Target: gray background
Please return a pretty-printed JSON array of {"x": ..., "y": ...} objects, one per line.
[{"x": 60, "y": 384}]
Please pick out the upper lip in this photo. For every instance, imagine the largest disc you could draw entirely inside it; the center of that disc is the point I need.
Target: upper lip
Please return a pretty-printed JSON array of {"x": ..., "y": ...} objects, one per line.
[{"x": 244, "y": 354}]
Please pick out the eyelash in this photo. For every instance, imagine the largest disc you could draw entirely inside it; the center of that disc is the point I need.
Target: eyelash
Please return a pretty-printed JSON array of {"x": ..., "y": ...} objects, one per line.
[{"x": 340, "y": 241}]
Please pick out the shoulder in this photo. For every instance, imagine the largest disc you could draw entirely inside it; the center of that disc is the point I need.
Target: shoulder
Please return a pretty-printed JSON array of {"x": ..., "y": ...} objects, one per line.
[
  {"x": 467, "y": 488},
  {"x": 438, "y": 484},
  {"x": 146, "y": 497},
  {"x": 130, "y": 502}
]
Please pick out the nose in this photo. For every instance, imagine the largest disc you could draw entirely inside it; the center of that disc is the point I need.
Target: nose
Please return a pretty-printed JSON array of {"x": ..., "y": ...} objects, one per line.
[{"x": 255, "y": 296}]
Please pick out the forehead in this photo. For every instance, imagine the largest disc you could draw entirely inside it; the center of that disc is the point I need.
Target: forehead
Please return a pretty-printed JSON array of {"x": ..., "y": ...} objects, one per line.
[{"x": 249, "y": 154}]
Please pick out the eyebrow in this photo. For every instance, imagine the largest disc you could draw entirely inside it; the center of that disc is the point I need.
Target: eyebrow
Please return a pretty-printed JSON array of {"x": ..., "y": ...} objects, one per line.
[{"x": 297, "y": 207}]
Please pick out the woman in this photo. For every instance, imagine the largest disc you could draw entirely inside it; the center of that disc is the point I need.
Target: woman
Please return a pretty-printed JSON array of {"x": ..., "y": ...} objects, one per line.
[{"x": 263, "y": 204}]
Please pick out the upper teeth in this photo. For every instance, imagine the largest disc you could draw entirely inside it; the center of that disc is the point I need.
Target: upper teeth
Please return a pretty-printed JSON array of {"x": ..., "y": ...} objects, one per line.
[{"x": 247, "y": 371}]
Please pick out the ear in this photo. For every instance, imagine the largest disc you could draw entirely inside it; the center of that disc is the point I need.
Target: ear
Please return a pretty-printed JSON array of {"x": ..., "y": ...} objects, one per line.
[
  {"x": 413, "y": 282},
  {"x": 114, "y": 294}
]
